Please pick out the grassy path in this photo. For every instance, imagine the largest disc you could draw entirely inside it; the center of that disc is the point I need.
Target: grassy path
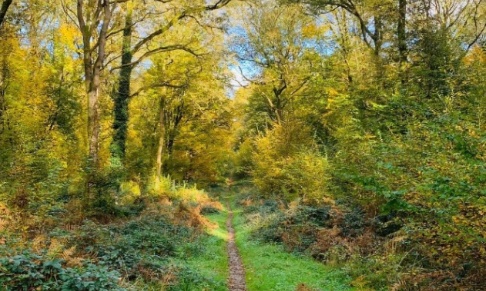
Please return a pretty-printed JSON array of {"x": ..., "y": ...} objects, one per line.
[
  {"x": 213, "y": 263},
  {"x": 237, "y": 281},
  {"x": 269, "y": 267}
]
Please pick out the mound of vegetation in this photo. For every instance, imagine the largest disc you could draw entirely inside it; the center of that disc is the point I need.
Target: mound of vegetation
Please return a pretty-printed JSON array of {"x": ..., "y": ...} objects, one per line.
[
  {"x": 146, "y": 250},
  {"x": 377, "y": 251}
]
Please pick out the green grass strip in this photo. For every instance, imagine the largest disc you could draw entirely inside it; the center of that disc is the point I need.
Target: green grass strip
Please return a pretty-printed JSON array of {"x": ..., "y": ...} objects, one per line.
[
  {"x": 213, "y": 262},
  {"x": 269, "y": 267}
]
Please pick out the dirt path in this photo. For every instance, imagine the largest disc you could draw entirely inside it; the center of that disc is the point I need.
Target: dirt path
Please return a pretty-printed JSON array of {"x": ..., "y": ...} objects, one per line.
[{"x": 237, "y": 271}]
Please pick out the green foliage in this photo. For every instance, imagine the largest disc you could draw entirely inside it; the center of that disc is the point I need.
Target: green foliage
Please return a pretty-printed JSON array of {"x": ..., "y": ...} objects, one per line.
[
  {"x": 189, "y": 279},
  {"x": 372, "y": 117},
  {"x": 141, "y": 244},
  {"x": 206, "y": 210},
  {"x": 28, "y": 270},
  {"x": 159, "y": 187},
  {"x": 270, "y": 224},
  {"x": 269, "y": 266},
  {"x": 150, "y": 250},
  {"x": 284, "y": 166}
]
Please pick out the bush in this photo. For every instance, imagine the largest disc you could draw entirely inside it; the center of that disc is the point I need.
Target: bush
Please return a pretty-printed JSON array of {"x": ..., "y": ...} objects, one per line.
[
  {"x": 209, "y": 209},
  {"x": 29, "y": 271},
  {"x": 158, "y": 187},
  {"x": 130, "y": 246},
  {"x": 283, "y": 167},
  {"x": 296, "y": 227}
]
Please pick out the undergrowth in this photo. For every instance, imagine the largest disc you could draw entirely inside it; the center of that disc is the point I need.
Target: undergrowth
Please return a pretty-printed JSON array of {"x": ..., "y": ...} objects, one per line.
[
  {"x": 375, "y": 250},
  {"x": 148, "y": 251},
  {"x": 338, "y": 235},
  {"x": 269, "y": 265}
]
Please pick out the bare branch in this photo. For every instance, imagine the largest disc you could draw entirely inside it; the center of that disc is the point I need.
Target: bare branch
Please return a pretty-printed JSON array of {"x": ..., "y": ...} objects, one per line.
[
  {"x": 3, "y": 10},
  {"x": 175, "y": 20},
  {"x": 158, "y": 32},
  {"x": 258, "y": 82},
  {"x": 159, "y": 50},
  {"x": 476, "y": 38},
  {"x": 71, "y": 14}
]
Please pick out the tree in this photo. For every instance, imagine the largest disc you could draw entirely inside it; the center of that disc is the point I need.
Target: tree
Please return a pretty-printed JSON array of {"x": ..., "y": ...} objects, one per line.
[
  {"x": 442, "y": 37},
  {"x": 370, "y": 16},
  {"x": 180, "y": 83},
  {"x": 94, "y": 23},
  {"x": 3, "y": 10},
  {"x": 147, "y": 46},
  {"x": 274, "y": 46}
]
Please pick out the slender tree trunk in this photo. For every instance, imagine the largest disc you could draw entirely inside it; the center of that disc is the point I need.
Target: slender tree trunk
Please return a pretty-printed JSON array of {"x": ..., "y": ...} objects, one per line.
[
  {"x": 378, "y": 41},
  {"x": 172, "y": 126},
  {"x": 3, "y": 10},
  {"x": 3, "y": 89},
  {"x": 93, "y": 123},
  {"x": 122, "y": 96},
  {"x": 93, "y": 104},
  {"x": 94, "y": 54},
  {"x": 402, "y": 37},
  {"x": 160, "y": 155},
  {"x": 378, "y": 37},
  {"x": 161, "y": 146}
]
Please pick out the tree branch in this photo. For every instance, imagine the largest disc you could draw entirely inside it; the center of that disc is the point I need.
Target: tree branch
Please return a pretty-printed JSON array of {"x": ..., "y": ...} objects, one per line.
[
  {"x": 175, "y": 19},
  {"x": 3, "y": 10},
  {"x": 158, "y": 50}
]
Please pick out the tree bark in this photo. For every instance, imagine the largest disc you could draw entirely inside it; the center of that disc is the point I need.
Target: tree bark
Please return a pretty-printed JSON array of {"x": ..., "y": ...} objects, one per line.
[
  {"x": 122, "y": 96},
  {"x": 402, "y": 37},
  {"x": 94, "y": 54},
  {"x": 3, "y": 88},
  {"x": 160, "y": 155},
  {"x": 160, "y": 148},
  {"x": 3, "y": 10}
]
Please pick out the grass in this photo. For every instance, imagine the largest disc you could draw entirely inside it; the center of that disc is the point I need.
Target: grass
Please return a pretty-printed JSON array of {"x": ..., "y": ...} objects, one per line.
[
  {"x": 213, "y": 262},
  {"x": 269, "y": 267}
]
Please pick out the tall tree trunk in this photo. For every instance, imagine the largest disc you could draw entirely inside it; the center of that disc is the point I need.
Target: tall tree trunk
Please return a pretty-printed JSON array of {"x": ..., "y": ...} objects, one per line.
[
  {"x": 402, "y": 37},
  {"x": 162, "y": 143},
  {"x": 122, "y": 96},
  {"x": 3, "y": 10},
  {"x": 94, "y": 54},
  {"x": 160, "y": 155},
  {"x": 93, "y": 123},
  {"x": 93, "y": 96},
  {"x": 378, "y": 36},
  {"x": 4, "y": 72}
]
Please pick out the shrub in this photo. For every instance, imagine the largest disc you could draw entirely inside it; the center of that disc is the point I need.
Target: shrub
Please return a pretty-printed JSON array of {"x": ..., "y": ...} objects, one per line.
[
  {"x": 209, "y": 209},
  {"x": 296, "y": 227},
  {"x": 283, "y": 167},
  {"x": 159, "y": 187},
  {"x": 28, "y": 271}
]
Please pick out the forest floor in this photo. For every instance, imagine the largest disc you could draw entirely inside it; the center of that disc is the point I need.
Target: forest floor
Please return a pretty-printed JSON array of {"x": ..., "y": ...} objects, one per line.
[
  {"x": 255, "y": 265},
  {"x": 237, "y": 280}
]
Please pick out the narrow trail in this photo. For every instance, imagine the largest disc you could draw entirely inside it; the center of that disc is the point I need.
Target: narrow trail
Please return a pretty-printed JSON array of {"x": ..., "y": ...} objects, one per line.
[{"x": 236, "y": 269}]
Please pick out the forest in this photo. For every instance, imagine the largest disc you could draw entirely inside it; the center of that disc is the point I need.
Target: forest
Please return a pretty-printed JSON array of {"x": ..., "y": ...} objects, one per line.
[{"x": 243, "y": 145}]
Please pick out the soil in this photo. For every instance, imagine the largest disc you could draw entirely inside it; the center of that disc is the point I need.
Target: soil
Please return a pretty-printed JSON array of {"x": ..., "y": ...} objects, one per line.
[{"x": 236, "y": 280}]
